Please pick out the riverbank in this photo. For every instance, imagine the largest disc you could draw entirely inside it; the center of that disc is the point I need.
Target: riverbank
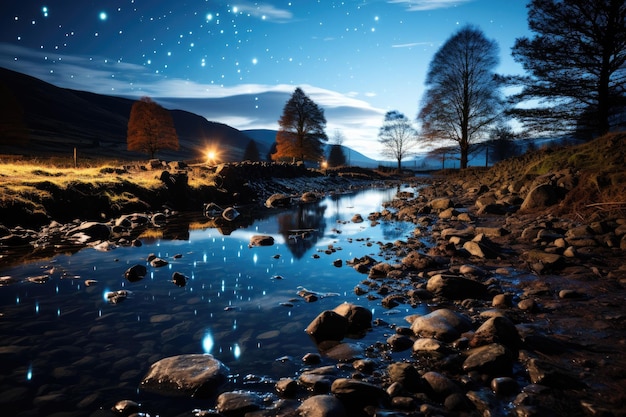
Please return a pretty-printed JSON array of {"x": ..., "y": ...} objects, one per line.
[
  {"x": 48, "y": 210},
  {"x": 525, "y": 284}
]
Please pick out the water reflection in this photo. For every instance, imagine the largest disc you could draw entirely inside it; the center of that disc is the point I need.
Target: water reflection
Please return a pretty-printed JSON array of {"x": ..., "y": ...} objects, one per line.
[
  {"x": 239, "y": 304},
  {"x": 303, "y": 227}
]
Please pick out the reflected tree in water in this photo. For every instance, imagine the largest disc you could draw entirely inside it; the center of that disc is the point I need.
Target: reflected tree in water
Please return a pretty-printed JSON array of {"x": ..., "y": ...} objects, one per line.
[{"x": 302, "y": 228}]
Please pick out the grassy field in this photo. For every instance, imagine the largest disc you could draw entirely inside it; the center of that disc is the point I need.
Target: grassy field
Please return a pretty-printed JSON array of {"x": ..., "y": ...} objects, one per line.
[{"x": 32, "y": 186}]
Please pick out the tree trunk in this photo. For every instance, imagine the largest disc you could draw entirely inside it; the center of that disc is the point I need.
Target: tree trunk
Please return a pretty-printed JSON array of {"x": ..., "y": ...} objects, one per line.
[
  {"x": 464, "y": 154},
  {"x": 399, "y": 164}
]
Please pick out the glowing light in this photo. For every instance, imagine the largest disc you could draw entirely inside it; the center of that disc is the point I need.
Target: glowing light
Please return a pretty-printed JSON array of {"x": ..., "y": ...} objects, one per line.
[
  {"x": 29, "y": 373},
  {"x": 44, "y": 10},
  {"x": 236, "y": 351},
  {"x": 209, "y": 16},
  {"x": 212, "y": 155},
  {"x": 103, "y": 16},
  {"x": 254, "y": 61},
  {"x": 208, "y": 342}
]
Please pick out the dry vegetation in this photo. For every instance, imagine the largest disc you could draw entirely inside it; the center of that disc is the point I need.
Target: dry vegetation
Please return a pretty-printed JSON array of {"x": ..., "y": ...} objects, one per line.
[
  {"x": 36, "y": 186},
  {"x": 33, "y": 189},
  {"x": 599, "y": 167}
]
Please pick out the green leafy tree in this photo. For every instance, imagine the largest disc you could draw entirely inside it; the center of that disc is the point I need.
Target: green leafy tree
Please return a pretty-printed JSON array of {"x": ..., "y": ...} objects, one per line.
[
  {"x": 336, "y": 155},
  {"x": 462, "y": 100},
  {"x": 576, "y": 63},
  {"x": 502, "y": 143},
  {"x": 251, "y": 153},
  {"x": 397, "y": 136},
  {"x": 150, "y": 128},
  {"x": 301, "y": 130}
]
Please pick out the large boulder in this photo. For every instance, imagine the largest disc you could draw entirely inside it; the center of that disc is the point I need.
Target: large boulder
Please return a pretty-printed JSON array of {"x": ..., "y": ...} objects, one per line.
[
  {"x": 195, "y": 375},
  {"x": 540, "y": 197},
  {"x": 443, "y": 324},
  {"x": 456, "y": 287},
  {"x": 359, "y": 318},
  {"x": 328, "y": 326}
]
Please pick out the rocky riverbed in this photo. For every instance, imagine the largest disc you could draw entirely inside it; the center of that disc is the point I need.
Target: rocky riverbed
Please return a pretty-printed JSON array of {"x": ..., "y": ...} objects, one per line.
[
  {"x": 527, "y": 315},
  {"x": 527, "y": 320}
]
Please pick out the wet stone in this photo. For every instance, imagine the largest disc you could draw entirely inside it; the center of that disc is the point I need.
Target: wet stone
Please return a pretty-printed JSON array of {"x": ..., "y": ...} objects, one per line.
[
  {"x": 322, "y": 406},
  {"x": 504, "y": 386},
  {"x": 328, "y": 325},
  {"x": 357, "y": 394},
  {"x": 135, "y": 273},
  {"x": 287, "y": 387},
  {"x": 443, "y": 324},
  {"x": 238, "y": 403},
  {"x": 493, "y": 359},
  {"x": 194, "y": 375},
  {"x": 456, "y": 287},
  {"x": 440, "y": 385},
  {"x": 399, "y": 343},
  {"x": 406, "y": 375}
]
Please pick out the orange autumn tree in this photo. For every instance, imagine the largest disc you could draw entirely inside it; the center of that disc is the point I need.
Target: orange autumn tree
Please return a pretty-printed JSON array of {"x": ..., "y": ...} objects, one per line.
[
  {"x": 150, "y": 128},
  {"x": 301, "y": 130}
]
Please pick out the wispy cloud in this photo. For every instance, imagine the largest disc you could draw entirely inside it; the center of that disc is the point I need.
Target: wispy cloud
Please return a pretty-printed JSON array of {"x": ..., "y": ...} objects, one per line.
[
  {"x": 423, "y": 5},
  {"x": 243, "y": 106},
  {"x": 411, "y": 44},
  {"x": 265, "y": 11}
]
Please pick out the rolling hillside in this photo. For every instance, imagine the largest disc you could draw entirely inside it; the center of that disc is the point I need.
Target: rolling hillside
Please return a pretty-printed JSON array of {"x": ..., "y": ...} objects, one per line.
[{"x": 37, "y": 118}]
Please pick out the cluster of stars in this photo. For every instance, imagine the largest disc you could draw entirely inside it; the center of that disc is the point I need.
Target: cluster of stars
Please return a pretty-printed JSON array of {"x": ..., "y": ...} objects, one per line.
[{"x": 227, "y": 44}]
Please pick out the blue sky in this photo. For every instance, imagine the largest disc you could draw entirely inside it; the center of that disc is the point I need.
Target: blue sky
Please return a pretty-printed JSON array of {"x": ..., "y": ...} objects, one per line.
[{"x": 238, "y": 62}]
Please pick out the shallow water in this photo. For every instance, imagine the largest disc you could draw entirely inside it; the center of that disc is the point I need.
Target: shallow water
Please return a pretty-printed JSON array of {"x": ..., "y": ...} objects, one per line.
[{"x": 66, "y": 348}]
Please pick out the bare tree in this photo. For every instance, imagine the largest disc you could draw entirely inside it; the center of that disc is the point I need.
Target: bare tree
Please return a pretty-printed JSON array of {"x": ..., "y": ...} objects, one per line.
[
  {"x": 398, "y": 136},
  {"x": 576, "y": 64},
  {"x": 463, "y": 98}
]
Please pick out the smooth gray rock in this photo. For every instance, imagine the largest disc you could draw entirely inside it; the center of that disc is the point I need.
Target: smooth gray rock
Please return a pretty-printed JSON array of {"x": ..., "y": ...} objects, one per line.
[
  {"x": 195, "y": 375},
  {"x": 321, "y": 406},
  {"x": 443, "y": 324}
]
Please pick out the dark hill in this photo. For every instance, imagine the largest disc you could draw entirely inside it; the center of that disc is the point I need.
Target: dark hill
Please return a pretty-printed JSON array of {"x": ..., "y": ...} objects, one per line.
[{"x": 38, "y": 118}]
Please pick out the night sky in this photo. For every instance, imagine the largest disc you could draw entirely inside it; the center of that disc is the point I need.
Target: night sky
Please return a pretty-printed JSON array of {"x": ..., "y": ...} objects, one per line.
[{"x": 238, "y": 62}]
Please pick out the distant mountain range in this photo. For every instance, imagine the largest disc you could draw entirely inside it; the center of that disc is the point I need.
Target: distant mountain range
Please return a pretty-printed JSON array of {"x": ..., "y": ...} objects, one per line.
[{"x": 40, "y": 119}]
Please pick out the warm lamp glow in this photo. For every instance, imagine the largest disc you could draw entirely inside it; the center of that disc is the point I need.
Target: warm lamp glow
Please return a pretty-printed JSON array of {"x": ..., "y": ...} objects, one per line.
[{"x": 212, "y": 155}]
